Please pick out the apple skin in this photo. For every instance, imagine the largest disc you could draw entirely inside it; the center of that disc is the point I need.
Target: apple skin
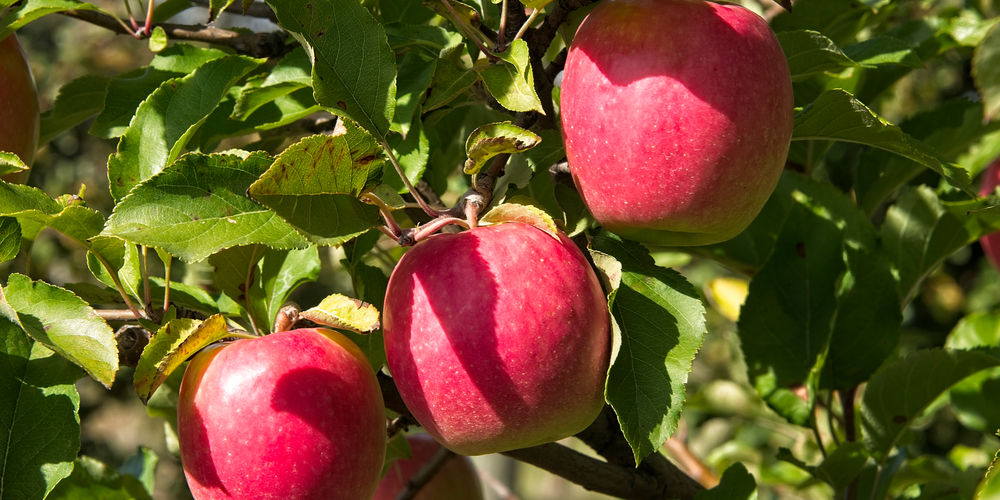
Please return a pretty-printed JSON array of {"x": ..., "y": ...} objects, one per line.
[
  {"x": 457, "y": 480},
  {"x": 677, "y": 118},
  {"x": 497, "y": 337},
  {"x": 991, "y": 242},
  {"x": 293, "y": 415},
  {"x": 19, "y": 118}
]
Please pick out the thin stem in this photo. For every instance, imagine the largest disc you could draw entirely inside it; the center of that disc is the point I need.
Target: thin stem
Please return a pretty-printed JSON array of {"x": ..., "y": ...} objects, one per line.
[
  {"x": 166, "y": 283},
  {"x": 394, "y": 230},
  {"x": 406, "y": 182},
  {"x": 501, "y": 33},
  {"x": 149, "y": 18},
  {"x": 526, "y": 25},
  {"x": 501, "y": 490},
  {"x": 147, "y": 303},
  {"x": 118, "y": 285},
  {"x": 819, "y": 440},
  {"x": 412, "y": 236},
  {"x": 829, "y": 418},
  {"x": 469, "y": 32},
  {"x": 425, "y": 474},
  {"x": 115, "y": 314},
  {"x": 131, "y": 17}
]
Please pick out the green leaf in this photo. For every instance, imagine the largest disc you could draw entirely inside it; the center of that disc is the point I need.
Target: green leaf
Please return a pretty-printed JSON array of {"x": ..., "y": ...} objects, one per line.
[
  {"x": 986, "y": 72},
  {"x": 142, "y": 466},
  {"x": 94, "y": 480},
  {"x": 354, "y": 69},
  {"x": 198, "y": 206},
  {"x": 11, "y": 163},
  {"x": 166, "y": 120},
  {"x": 842, "y": 466},
  {"x": 512, "y": 82},
  {"x": 450, "y": 81},
  {"x": 980, "y": 329},
  {"x": 786, "y": 323},
  {"x": 433, "y": 41},
  {"x": 64, "y": 323},
  {"x": 126, "y": 92},
  {"x": 158, "y": 39},
  {"x": 123, "y": 257},
  {"x": 412, "y": 153},
  {"x": 492, "y": 139},
  {"x": 990, "y": 486},
  {"x": 10, "y": 238},
  {"x": 839, "y": 20},
  {"x": 39, "y": 407},
  {"x": 77, "y": 101},
  {"x": 736, "y": 484},
  {"x": 30, "y": 10},
  {"x": 902, "y": 390},
  {"x": 344, "y": 313},
  {"x": 662, "y": 324},
  {"x": 170, "y": 347},
  {"x": 282, "y": 271},
  {"x": 290, "y": 74},
  {"x": 837, "y": 115},
  {"x": 238, "y": 276},
  {"x": 398, "y": 448},
  {"x": 919, "y": 233},
  {"x": 881, "y": 50},
  {"x": 809, "y": 53},
  {"x": 415, "y": 73},
  {"x": 976, "y": 401},
  {"x": 315, "y": 185}
]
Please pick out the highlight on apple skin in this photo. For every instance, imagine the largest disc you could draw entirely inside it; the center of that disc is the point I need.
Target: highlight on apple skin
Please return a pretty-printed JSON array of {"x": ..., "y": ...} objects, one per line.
[
  {"x": 19, "y": 112},
  {"x": 457, "y": 479},
  {"x": 497, "y": 337},
  {"x": 677, "y": 118},
  {"x": 292, "y": 415}
]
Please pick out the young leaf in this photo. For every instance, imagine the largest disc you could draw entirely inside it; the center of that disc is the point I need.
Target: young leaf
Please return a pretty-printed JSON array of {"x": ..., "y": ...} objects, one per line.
[
  {"x": 324, "y": 175},
  {"x": 837, "y": 115},
  {"x": 736, "y": 484},
  {"x": 77, "y": 101},
  {"x": 523, "y": 211},
  {"x": 902, "y": 390},
  {"x": 170, "y": 347},
  {"x": 62, "y": 322},
  {"x": 11, "y": 163},
  {"x": 344, "y": 313},
  {"x": 986, "y": 72},
  {"x": 39, "y": 407},
  {"x": 662, "y": 324},
  {"x": 492, "y": 139},
  {"x": 165, "y": 121},
  {"x": 94, "y": 479},
  {"x": 512, "y": 82},
  {"x": 786, "y": 323},
  {"x": 198, "y": 207},
  {"x": 336, "y": 33}
]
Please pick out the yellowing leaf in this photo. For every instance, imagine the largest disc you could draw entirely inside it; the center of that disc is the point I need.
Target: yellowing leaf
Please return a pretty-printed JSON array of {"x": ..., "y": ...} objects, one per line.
[
  {"x": 342, "y": 312},
  {"x": 523, "y": 210},
  {"x": 170, "y": 347},
  {"x": 728, "y": 294}
]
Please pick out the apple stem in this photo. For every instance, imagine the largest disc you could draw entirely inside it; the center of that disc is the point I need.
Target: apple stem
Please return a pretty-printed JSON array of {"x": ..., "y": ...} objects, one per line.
[
  {"x": 392, "y": 227},
  {"x": 425, "y": 474},
  {"x": 406, "y": 181},
  {"x": 166, "y": 283},
  {"x": 411, "y": 236}
]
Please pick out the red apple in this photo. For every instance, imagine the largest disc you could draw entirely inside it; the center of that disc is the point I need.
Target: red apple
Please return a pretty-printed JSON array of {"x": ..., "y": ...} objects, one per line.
[
  {"x": 991, "y": 242},
  {"x": 497, "y": 337},
  {"x": 292, "y": 415},
  {"x": 677, "y": 118},
  {"x": 457, "y": 480},
  {"x": 19, "y": 117}
]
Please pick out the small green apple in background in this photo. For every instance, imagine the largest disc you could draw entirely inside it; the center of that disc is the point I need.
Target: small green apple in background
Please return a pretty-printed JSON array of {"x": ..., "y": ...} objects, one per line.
[
  {"x": 457, "y": 480},
  {"x": 19, "y": 118},
  {"x": 991, "y": 242},
  {"x": 677, "y": 118},
  {"x": 497, "y": 337},
  {"x": 293, "y": 415}
]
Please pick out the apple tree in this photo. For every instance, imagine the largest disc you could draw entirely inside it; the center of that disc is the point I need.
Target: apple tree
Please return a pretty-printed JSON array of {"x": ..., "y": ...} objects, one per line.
[{"x": 660, "y": 261}]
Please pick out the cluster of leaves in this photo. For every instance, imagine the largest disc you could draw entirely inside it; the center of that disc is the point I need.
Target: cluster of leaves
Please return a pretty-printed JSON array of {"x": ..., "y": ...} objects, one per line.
[{"x": 837, "y": 254}]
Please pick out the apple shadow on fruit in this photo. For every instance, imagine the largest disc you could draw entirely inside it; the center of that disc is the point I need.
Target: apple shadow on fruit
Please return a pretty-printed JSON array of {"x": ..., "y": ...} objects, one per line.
[
  {"x": 473, "y": 336},
  {"x": 206, "y": 476}
]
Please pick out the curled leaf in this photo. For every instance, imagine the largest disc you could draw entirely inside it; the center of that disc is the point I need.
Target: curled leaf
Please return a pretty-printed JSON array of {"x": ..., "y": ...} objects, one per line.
[
  {"x": 492, "y": 139},
  {"x": 170, "y": 347},
  {"x": 520, "y": 209},
  {"x": 344, "y": 313}
]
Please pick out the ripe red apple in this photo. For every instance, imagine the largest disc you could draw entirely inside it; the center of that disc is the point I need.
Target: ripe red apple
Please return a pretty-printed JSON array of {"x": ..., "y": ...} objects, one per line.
[
  {"x": 497, "y": 337},
  {"x": 19, "y": 119},
  {"x": 292, "y": 415},
  {"x": 991, "y": 242},
  {"x": 457, "y": 480},
  {"x": 677, "y": 118}
]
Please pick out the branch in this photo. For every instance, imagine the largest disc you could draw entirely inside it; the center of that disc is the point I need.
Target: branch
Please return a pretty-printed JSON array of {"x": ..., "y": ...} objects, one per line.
[
  {"x": 252, "y": 44},
  {"x": 257, "y": 9},
  {"x": 425, "y": 474},
  {"x": 656, "y": 477}
]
